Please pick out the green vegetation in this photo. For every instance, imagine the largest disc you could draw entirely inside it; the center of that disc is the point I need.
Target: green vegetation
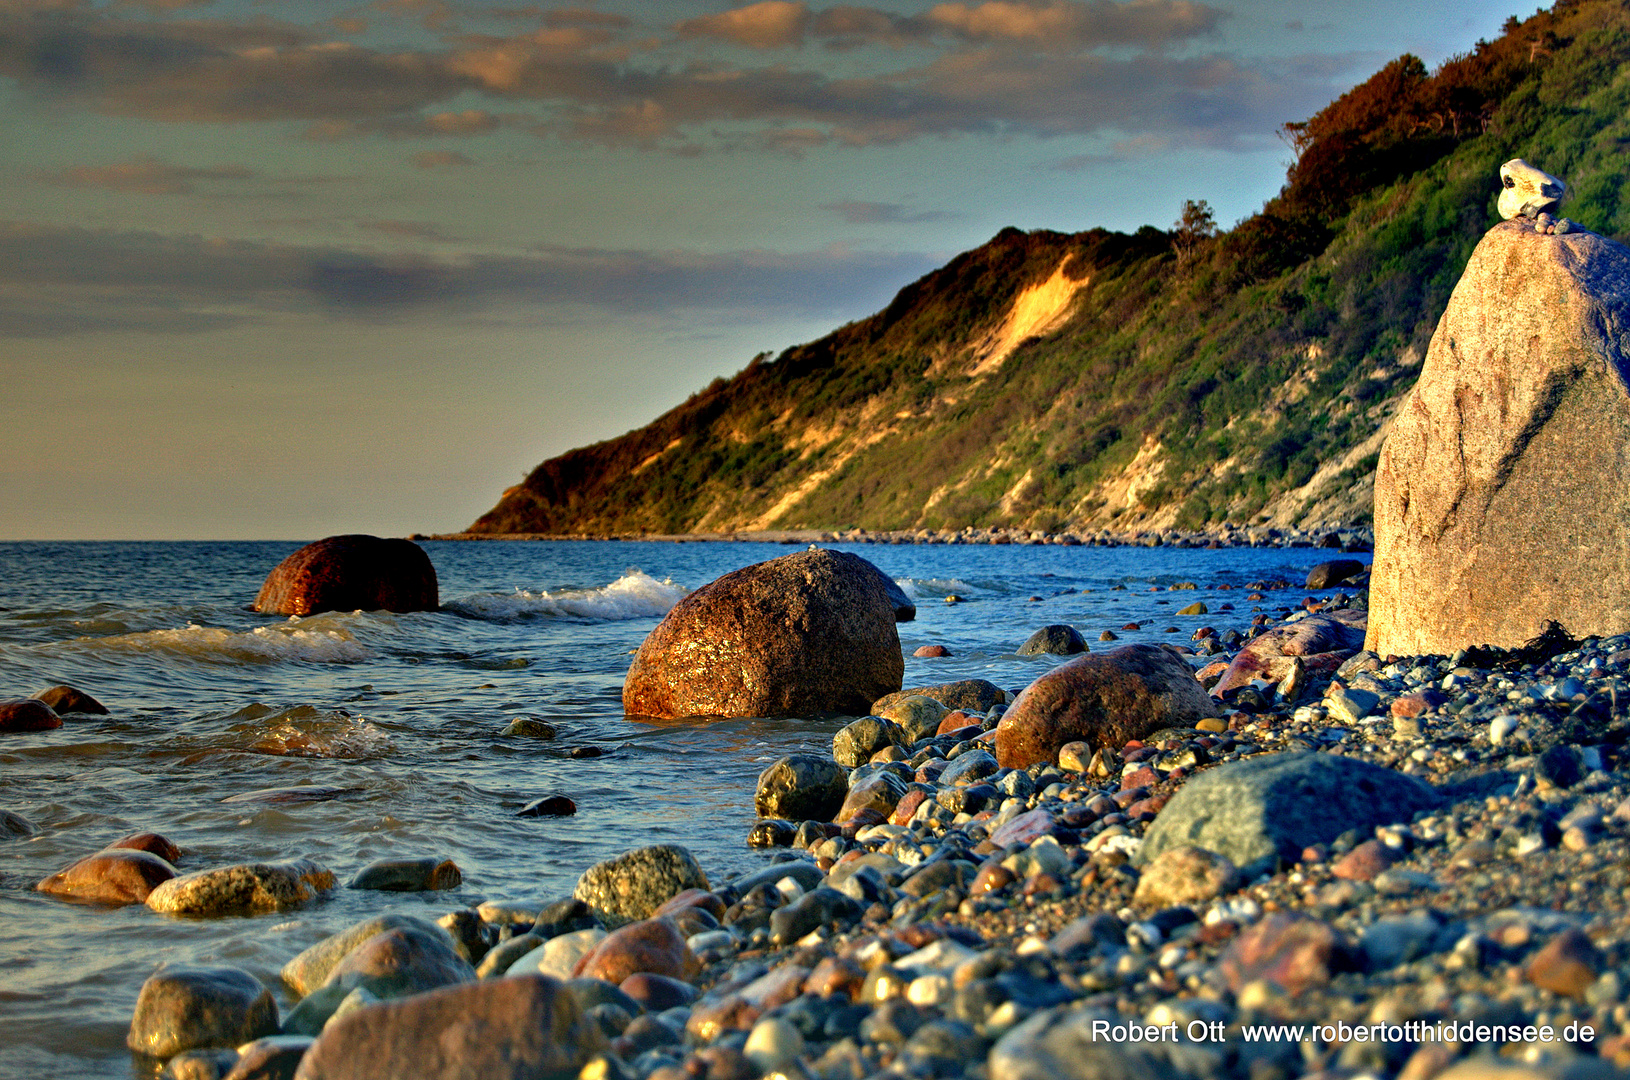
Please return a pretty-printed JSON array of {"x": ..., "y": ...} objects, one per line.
[{"x": 1194, "y": 378}]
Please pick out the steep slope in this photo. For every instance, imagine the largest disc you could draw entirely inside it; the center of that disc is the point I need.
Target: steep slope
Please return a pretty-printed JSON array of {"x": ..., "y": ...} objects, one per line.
[{"x": 1096, "y": 379}]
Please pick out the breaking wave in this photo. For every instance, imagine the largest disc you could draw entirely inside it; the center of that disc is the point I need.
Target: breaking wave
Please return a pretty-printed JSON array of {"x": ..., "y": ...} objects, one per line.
[
  {"x": 264, "y": 644},
  {"x": 635, "y": 595}
]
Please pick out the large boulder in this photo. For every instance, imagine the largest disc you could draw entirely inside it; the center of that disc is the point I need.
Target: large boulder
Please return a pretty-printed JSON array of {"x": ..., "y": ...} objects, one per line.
[
  {"x": 351, "y": 573},
  {"x": 1102, "y": 699},
  {"x": 1254, "y": 811},
  {"x": 1502, "y": 496},
  {"x": 522, "y": 1028},
  {"x": 807, "y": 633}
]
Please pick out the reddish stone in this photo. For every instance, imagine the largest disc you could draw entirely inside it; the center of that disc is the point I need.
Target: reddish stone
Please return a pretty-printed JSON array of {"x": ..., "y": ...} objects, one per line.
[
  {"x": 930, "y": 771},
  {"x": 651, "y": 945},
  {"x": 122, "y": 876},
  {"x": 987, "y": 737},
  {"x": 1567, "y": 965},
  {"x": 1417, "y": 704},
  {"x": 528, "y": 1025},
  {"x": 1144, "y": 777},
  {"x": 152, "y": 843},
  {"x": 1296, "y": 952},
  {"x": 835, "y": 975},
  {"x": 1129, "y": 795},
  {"x": 697, "y": 898},
  {"x": 813, "y": 632},
  {"x": 1147, "y": 809},
  {"x": 932, "y": 650},
  {"x": 907, "y": 806},
  {"x": 888, "y": 753},
  {"x": 1364, "y": 862},
  {"x": 862, "y": 819},
  {"x": 1102, "y": 699},
  {"x": 1322, "y": 642},
  {"x": 27, "y": 714},
  {"x": 955, "y": 720},
  {"x": 1024, "y": 829},
  {"x": 351, "y": 573},
  {"x": 1043, "y": 882},
  {"x": 1208, "y": 675}
]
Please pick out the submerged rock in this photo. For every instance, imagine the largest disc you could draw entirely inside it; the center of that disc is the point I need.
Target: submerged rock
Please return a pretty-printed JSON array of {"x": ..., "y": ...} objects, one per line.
[
  {"x": 27, "y": 714},
  {"x": 808, "y": 633},
  {"x": 66, "y": 699},
  {"x": 121, "y": 876},
  {"x": 1058, "y": 639},
  {"x": 246, "y": 889},
  {"x": 408, "y": 875},
  {"x": 353, "y": 572}
]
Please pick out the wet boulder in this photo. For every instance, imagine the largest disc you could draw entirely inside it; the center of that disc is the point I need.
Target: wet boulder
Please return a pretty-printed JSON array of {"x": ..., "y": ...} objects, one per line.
[
  {"x": 401, "y": 961},
  {"x": 1059, "y": 639},
  {"x": 633, "y": 885},
  {"x": 1103, "y": 699},
  {"x": 65, "y": 699},
  {"x": 808, "y": 633},
  {"x": 245, "y": 889},
  {"x": 191, "y": 1006},
  {"x": 428, "y": 874},
  {"x": 653, "y": 946},
  {"x": 114, "y": 876},
  {"x": 311, "y": 968},
  {"x": 27, "y": 714},
  {"x": 1328, "y": 575},
  {"x": 351, "y": 573},
  {"x": 801, "y": 787}
]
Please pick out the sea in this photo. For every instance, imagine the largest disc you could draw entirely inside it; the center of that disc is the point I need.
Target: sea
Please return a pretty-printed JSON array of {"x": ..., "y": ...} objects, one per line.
[{"x": 399, "y": 717}]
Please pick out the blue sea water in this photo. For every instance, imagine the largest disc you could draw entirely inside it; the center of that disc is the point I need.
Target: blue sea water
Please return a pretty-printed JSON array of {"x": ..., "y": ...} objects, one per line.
[{"x": 210, "y": 701}]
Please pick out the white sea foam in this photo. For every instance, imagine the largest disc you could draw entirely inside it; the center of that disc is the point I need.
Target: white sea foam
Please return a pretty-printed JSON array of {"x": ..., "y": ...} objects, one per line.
[
  {"x": 264, "y": 644},
  {"x": 635, "y": 595}
]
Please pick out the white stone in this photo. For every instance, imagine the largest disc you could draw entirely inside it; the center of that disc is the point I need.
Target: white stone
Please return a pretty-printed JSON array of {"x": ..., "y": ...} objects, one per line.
[
  {"x": 933, "y": 989},
  {"x": 558, "y": 955},
  {"x": 772, "y": 1044},
  {"x": 1527, "y": 191}
]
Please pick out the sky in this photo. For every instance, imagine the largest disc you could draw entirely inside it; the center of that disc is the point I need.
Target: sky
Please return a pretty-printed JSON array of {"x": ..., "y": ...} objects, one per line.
[{"x": 279, "y": 270}]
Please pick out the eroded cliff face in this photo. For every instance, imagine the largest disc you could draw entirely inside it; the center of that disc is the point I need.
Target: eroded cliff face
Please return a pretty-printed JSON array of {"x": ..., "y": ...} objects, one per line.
[{"x": 1031, "y": 382}]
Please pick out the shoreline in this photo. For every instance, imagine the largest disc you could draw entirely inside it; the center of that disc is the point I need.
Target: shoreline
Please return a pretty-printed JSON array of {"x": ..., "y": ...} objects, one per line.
[{"x": 1352, "y": 539}]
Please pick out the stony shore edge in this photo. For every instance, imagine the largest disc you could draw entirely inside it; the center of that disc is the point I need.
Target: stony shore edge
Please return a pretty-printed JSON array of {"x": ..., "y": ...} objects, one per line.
[
  {"x": 1001, "y": 925},
  {"x": 1343, "y": 537}
]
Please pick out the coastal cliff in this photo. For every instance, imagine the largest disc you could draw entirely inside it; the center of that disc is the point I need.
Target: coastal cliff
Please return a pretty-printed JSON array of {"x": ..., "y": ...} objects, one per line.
[{"x": 1160, "y": 379}]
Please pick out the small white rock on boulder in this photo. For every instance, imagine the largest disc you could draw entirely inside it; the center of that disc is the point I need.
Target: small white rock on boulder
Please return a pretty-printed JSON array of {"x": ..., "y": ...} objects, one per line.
[
  {"x": 804, "y": 634},
  {"x": 1502, "y": 496}
]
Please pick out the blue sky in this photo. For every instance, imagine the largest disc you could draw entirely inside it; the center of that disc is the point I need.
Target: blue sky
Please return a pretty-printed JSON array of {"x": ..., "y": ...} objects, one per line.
[{"x": 281, "y": 270}]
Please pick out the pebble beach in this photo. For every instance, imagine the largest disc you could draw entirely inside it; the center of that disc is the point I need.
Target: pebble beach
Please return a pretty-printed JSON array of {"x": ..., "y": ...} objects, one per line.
[{"x": 1449, "y": 899}]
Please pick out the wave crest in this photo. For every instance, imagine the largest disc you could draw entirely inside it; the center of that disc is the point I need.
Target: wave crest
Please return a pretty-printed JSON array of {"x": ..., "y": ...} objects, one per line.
[
  {"x": 264, "y": 644},
  {"x": 635, "y": 595}
]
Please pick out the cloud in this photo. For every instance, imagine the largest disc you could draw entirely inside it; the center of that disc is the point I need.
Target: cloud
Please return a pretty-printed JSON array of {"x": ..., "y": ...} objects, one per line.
[
  {"x": 1077, "y": 24},
  {"x": 146, "y": 176},
  {"x": 771, "y": 24},
  {"x": 859, "y": 212},
  {"x": 1053, "y": 25},
  {"x": 1000, "y": 68},
  {"x": 439, "y": 159},
  {"x": 412, "y": 230},
  {"x": 63, "y": 280}
]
